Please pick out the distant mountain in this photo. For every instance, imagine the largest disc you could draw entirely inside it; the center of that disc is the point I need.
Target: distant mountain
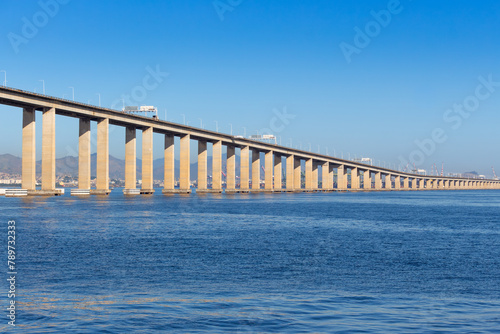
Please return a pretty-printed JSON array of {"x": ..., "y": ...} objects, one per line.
[
  {"x": 10, "y": 164},
  {"x": 69, "y": 166}
]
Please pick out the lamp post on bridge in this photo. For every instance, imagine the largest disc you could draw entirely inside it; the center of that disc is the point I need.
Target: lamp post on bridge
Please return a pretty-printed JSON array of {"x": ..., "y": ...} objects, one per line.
[
  {"x": 201, "y": 123},
  {"x": 184, "y": 118},
  {"x": 99, "y": 98}
]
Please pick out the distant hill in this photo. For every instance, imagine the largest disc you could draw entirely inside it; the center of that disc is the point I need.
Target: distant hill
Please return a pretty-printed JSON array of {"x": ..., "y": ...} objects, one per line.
[
  {"x": 69, "y": 166},
  {"x": 10, "y": 164}
]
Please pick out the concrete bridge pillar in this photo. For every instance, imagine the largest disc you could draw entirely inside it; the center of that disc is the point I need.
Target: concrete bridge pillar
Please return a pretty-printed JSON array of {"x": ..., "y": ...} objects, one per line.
[
  {"x": 414, "y": 183},
  {"x": 278, "y": 172},
  {"x": 102, "y": 181},
  {"x": 315, "y": 176},
  {"x": 354, "y": 178},
  {"x": 217, "y": 166},
  {"x": 397, "y": 182},
  {"x": 289, "y": 172},
  {"x": 245, "y": 168},
  {"x": 378, "y": 181},
  {"x": 147, "y": 161},
  {"x": 185, "y": 181},
  {"x": 29, "y": 150},
  {"x": 231, "y": 168},
  {"x": 367, "y": 180},
  {"x": 268, "y": 162},
  {"x": 202, "y": 165},
  {"x": 309, "y": 174},
  {"x": 49, "y": 149},
  {"x": 297, "y": 174},
  {"x": 326, "y": 176},
  {"x": 130, "y": 159},
  {"x": 341, "y": 177},
  {"x": 255, "y": 169},
  {"x": 169, "y": 171},
  {"x": 406, "y": 183},
  {"x": 388, "y": 181},
  {"x": 84, "y": 167}
]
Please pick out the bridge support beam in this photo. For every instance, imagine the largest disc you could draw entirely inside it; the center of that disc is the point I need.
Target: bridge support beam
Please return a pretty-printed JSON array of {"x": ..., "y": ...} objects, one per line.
[
  {"x": 185, "y": 165},
  {"x": 297, "y": 174},
  {"x": 289, "y": 172},
  {"x": 367, "y": 180},
  {"x": 130, "y": 161},
  {"x": 217, "y": 166},
  {"x": 102, "y": 175},
  {"x": 202, "y": 166},
  {"x": 147, "y": 161},
  {"x": 84, "y": 154},
  {"x": 309, "y": 174},
  {"x": 255, "y": 170},
  {"x": 327, "y": 176},
  {"x": 231, "y": 169},
  {"x": 354, "y": 178},
  {"x": 397, "y": 182},
  {"x": 406, "y": 183},
  {"x": 315, "y": 177},
  {"x": 49, "y": 150},
  {"x": 378, "y": 181},
  {"x": 245, "y": 169},
  {"x": 268, "y": 186},
  {"x": 342, "y": 178},
  {"x": 388, "y": 182},
  {"x": 169, "y": 168},
  {"x": 278, "y": 173},
  {"x": 29, "y": 150}
]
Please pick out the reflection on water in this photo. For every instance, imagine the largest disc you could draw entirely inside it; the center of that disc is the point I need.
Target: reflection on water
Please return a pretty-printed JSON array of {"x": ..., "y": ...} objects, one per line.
[{"x": 399, "y": 261}]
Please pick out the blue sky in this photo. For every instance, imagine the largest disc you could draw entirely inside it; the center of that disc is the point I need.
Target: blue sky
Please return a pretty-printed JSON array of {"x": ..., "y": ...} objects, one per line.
[{"x": 239, "y": 62}]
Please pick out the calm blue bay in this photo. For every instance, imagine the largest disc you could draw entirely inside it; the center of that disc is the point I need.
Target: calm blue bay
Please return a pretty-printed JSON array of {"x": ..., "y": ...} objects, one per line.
[{"x": 399, "y": 262}]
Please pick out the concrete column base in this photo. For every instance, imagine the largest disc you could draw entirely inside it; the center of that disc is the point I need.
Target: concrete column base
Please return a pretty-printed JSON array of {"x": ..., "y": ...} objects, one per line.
[
  {"x": 209, "y": 191},
  {"x": 147, "y": 191},
  {"x": 80, "y": 192},
  {"x": 14, "y": 192},
  {"x": 131, "y": 191},
  {"x": 234, "y": 191},
  {"x": 243, "y": 190},
  {"x": 55, "y": 192},
  {"x": 176, "y": 191},
  {"x": 100, "y": 191}
]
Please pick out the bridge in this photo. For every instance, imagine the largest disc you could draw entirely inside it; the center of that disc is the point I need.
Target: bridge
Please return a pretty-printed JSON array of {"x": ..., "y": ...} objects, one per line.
[{"x": 336, "y": 174}]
